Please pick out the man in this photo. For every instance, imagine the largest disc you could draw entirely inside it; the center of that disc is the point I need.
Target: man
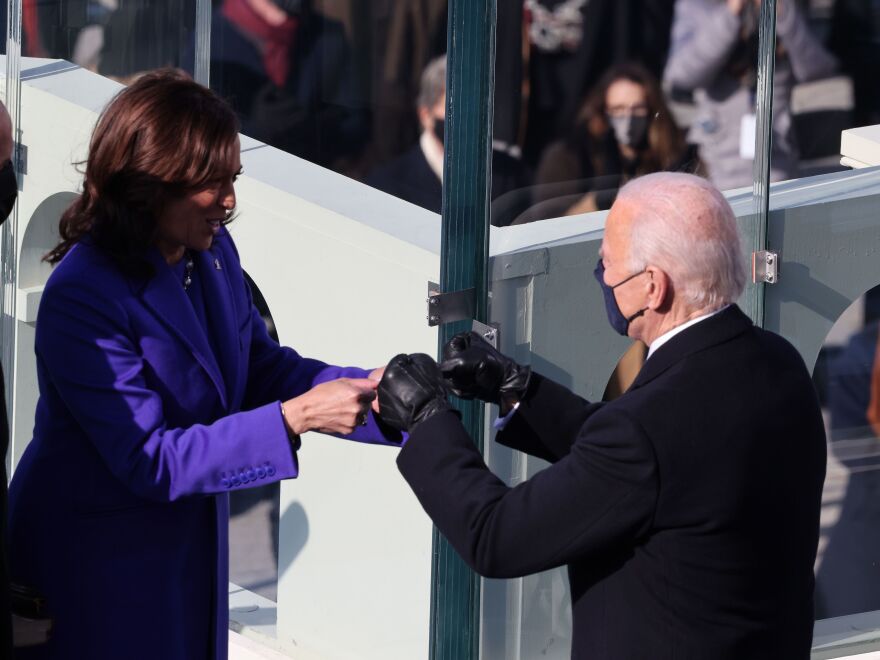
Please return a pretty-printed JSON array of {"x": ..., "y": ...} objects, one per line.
[
  {"x": 288, "y": 71},
  {"x": 417, "y": 175},
  {"x": 687, "y": 510}
]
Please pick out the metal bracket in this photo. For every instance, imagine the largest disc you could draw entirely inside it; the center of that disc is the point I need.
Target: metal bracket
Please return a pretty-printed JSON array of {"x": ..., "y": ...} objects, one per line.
[
  {"x": 449, "y": 307},
  {"x": 459, "y": 306},
  {"x": 21, "y": 167},
  {"x": 765, "y": 267},
  {"x": 491, "y": 333}
]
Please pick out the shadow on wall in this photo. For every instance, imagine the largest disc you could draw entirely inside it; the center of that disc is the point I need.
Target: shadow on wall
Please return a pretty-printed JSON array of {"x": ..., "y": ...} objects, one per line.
[
  {"x": 40, "y": 236},
  {"x": 293, "y": 518}
]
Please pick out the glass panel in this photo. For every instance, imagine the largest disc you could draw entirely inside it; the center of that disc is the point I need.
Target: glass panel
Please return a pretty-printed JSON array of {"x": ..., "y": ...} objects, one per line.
[
  {"x": 590, "y": 95},
  {"x": 825, "y": 102},
  {"x": 813, "y": 96},
  {"x": 848, "y": 381},
  {"x": 339, "y": 559},
  {"x": 334, "y": 87},
  {"x": 826, "y": 304},
  {"x": 339, "y": 84},
  {"x": 116, "y": 39}
]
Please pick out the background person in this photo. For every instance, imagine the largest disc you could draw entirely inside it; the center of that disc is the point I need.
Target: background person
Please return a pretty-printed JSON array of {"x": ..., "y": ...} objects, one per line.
[
  {"x": 417, "y": 175},
  {"x": 160, "y": 390},
  {"x": 714, "y": 54},
  {"x": 287, "y": 70},
  {"x": 687, "y": 510},
  {"x": 624, "y": 130}
]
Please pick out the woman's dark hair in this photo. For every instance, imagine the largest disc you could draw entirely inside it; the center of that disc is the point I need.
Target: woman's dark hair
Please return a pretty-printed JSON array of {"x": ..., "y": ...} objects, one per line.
[
  {"x": 159, "y": 139},
  {"x": 665, "y": 144}
]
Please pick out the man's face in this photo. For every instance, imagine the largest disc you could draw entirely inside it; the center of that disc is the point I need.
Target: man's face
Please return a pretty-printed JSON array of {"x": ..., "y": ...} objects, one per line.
[
  {"x": 430, "y": 116},
  {"x": 615, "y": 250},
  {"x": 615, "y": 244}
]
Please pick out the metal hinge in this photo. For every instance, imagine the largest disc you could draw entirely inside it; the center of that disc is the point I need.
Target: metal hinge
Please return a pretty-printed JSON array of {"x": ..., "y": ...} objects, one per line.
[
  {"x": 458, "y": 306},
  {"x": 765, "y": 267},
  {"x": 449, "y": 307}
]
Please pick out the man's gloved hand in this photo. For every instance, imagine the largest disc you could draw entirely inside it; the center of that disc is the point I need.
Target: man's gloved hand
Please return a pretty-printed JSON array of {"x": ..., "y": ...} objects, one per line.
[
  {"x": 472, "y": 369},
  {"x": 411, "y": 391}
]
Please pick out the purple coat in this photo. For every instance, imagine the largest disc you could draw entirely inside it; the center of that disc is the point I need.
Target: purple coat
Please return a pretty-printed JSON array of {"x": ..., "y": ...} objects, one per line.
[{"x": 119, "y": 508}]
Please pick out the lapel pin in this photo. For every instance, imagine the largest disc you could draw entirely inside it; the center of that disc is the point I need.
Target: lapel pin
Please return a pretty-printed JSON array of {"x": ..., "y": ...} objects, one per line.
[{"x": 217, "y": 264}]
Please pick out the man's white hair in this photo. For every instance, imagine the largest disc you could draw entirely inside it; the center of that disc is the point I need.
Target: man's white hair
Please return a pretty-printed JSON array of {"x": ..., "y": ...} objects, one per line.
[
  {"x": 433, "y": 83},
  {"x": 683, "y": 225}
]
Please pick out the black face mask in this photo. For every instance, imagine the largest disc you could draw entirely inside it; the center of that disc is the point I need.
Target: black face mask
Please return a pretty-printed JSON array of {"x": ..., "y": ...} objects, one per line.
[
  {"x": 439, "y": 129},
  {"x": 8, "y": 190},
  {"x": 616, "y": 318}
]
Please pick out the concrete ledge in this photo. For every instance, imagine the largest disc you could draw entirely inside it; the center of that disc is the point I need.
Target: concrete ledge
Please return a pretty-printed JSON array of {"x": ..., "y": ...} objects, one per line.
[{"x": 242, "y": 648}]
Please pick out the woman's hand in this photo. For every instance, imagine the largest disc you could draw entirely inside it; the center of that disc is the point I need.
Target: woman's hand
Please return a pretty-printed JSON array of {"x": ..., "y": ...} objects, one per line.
[
  {"x": 376, "y": 374},
  {"x": 337, "y": 406}
]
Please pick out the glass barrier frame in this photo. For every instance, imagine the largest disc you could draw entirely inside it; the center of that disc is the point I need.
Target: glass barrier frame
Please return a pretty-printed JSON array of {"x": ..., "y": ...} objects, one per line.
[
  {"x": 464, "y": 258},
  {"x": 9, "y": 234},
  {"x": 456, "y": 591}
]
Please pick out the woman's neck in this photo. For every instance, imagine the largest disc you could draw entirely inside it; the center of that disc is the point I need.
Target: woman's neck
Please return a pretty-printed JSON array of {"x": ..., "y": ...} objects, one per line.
[{"x": 171, "y": 253}]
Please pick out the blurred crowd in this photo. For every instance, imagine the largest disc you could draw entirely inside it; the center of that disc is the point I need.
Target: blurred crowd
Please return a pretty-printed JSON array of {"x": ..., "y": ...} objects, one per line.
[{"x": 588, "y": 93}]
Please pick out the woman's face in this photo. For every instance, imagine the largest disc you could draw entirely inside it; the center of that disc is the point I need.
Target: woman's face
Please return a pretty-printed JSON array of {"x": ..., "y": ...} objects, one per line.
[
  {"x": 626, "y": 105},
  {"x": 192, "y": 221},
  {"x": 626, "y": 98}
]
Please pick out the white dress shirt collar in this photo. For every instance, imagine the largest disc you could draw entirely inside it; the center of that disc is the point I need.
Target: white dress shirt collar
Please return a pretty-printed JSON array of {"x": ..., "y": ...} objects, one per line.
[
  {"x": 666, "y": 336},
  {"x": 433, "y": 152}
]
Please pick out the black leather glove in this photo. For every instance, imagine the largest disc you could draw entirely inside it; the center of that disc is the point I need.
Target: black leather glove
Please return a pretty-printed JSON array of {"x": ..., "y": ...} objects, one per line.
[
  {"x": 472, "y": 369},
  {"x": 411, "y": 391}
]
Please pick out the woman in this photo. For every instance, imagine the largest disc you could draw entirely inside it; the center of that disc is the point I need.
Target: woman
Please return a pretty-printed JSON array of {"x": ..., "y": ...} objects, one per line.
[
  {"x": 623, "y": 130},
  {"x": 160, "y": 390}
]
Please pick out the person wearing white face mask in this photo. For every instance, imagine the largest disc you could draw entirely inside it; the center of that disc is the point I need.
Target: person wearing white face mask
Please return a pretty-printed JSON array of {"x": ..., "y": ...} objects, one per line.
[{"x": 624, "y": 130}]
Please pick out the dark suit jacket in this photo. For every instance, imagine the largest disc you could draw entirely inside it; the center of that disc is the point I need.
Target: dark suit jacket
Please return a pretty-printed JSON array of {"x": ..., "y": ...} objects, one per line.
[
  {"x": 410, "y": 178},
  {"x": 687, "y": 510}
]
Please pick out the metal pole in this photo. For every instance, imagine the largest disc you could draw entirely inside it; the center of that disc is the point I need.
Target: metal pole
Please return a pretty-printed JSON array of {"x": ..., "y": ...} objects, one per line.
[
  {"x": 9, "y": 232},
  {"x": 202, "y": 66},
  {"x": 763, "y": 141},
  {"x": 455, "y": 597}
]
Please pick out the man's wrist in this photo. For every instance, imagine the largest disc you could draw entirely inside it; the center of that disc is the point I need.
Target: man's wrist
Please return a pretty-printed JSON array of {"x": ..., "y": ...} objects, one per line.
[{"x": 507, "y": 403}]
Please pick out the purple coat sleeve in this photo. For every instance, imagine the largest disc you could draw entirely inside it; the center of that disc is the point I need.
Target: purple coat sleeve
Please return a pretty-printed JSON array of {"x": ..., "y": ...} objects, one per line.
[
  {"x": 97, "y": 367},
  {"x": 278, "y": 373}
]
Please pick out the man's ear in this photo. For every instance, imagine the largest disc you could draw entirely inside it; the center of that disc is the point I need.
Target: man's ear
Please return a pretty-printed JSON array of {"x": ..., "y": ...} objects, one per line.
[
  {"x": 659, "y": 289},
  {"x": 426, "y": 121}
]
